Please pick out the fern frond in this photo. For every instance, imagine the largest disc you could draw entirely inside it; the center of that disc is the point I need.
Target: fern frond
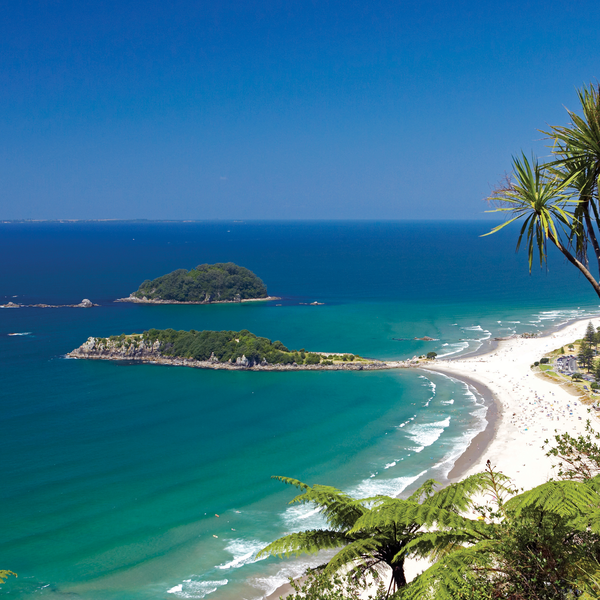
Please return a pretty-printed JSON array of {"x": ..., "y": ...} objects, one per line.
[
  {"x": 566, "y": 499},
  {"x": 457, "y": 496},
  {"x": 446, "y": 578},
  {"x": 361, "y": 553},
  {"x": 304, "y": 542},
  {"x": 436, "y": 544},
  {"x": 424, "y": 492},
  {"x": 340, "y": 510},
  {"x": 291, "y": 481},
  {"x": 404, "y": 514}
]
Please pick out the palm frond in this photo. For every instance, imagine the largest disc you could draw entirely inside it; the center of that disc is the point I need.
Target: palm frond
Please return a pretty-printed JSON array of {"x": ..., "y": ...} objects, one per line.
[{"x": 541, "y": 200}]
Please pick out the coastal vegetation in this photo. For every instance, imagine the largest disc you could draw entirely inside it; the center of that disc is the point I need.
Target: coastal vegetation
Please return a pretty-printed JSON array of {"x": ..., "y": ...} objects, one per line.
[
  {"x": 557, "y": 201},
  {"x": 221, "y": 282},
  {"x": 584, "y": 383},
  {"x": 484, "y": 539},
  {"x": 241, "y": 348}
]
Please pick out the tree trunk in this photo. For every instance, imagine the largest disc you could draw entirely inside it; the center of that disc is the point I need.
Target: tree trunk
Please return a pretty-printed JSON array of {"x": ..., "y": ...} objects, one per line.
[
  {"x": 575, "y": 263},
  {"x": 398, "y": 575}
]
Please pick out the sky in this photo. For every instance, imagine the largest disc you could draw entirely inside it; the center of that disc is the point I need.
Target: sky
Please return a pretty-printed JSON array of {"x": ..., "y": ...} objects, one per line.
[{"x": 279, "y": 110}]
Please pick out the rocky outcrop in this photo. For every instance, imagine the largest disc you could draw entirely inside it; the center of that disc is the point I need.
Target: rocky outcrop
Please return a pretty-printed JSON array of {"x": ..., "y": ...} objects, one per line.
[{"x": 85, "y": 303}]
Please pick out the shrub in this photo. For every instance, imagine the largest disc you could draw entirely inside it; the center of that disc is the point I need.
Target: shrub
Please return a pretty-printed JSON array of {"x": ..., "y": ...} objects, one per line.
[
  {"x": 544, "y": 361},
  {"x": 431, "y": 354},
  {"x": 536, "y": 363}
]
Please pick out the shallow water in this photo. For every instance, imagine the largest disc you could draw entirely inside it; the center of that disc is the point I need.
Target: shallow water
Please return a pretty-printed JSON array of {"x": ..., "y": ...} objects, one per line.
[{"x": 113, "y": 473}]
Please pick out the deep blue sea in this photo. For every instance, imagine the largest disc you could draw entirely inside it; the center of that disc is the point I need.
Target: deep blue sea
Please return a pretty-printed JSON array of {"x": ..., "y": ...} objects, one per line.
[{"x": 112, "y": 475}]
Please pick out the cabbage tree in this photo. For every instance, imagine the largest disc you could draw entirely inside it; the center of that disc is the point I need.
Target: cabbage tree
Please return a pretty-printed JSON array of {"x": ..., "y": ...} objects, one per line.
[{"x": 557, "y": 202}]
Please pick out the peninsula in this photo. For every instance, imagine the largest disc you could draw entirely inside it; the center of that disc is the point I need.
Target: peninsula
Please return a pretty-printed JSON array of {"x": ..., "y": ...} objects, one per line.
[
  {"x": 233, "y": 350},
  {"x": 206, "y": 284}
]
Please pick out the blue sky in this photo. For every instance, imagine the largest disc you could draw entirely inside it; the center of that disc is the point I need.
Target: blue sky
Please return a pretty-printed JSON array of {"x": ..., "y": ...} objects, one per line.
[{"x": 277, "y": 110}]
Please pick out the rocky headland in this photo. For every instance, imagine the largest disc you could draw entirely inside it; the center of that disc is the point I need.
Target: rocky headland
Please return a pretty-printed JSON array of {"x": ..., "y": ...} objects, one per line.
[{"x": 148, "y": 352}]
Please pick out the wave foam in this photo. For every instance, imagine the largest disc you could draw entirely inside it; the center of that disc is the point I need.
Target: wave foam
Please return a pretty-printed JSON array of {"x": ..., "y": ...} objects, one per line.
[
  {"x": 196, "y": 589},
  {"x": 301, "y": 517},
  {"x": 454, "y": 348},
  {"x": 386, "y": 487},
  {"x": 244, "y": 553},
  {"x": 426, "y": 434}
]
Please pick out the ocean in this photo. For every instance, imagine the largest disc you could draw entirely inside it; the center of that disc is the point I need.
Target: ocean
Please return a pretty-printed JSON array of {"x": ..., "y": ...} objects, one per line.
[{"x": 138, "y": 481}]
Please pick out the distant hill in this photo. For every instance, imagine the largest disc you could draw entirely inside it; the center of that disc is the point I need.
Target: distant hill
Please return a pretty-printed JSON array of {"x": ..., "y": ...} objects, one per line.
[{"x": 221, "y": 282}]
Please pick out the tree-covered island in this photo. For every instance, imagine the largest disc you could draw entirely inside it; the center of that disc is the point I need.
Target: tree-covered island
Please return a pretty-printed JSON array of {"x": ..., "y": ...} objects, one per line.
[
  {"x": 217, "y": 350},
  {"x": 206, "y": 284}
]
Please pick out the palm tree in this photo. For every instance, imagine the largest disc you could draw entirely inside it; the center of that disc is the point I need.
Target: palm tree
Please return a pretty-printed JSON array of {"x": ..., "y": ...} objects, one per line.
[
  {"x": 375, "y": 531},
  {"x": 558, "y": 201}
]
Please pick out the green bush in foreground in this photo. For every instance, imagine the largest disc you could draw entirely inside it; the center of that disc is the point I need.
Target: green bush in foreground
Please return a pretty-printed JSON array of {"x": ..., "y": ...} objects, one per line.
[{"x": 540, "y": 544}]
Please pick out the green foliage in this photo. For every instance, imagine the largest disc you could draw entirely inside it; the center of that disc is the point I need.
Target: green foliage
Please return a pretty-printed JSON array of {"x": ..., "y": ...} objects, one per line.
[
  {"x": 544, "y": 361},
  {"x": 372, "y": 531},
  {"x": 224, "y": 345},
  {"x": 536, "y": 363},
  {"x": 577, "y": 377},
  {"x": 4, "y": 575},
  {"x": 535, "y": 546},
  {"x": 586, "y": 355},
  {"x": 558, "y": 201},
  {"x": 312, "y": 359},
  {"x": 318, "y": 585},
  {"x": 431, "y": 355},
  {"x": 205, "y": 283},
  {"x": 579, "y": 456},
  {"x": 596, "y": 369},
  {"x": 590, "y": 333},
  {"x": 540, "y": 544}
]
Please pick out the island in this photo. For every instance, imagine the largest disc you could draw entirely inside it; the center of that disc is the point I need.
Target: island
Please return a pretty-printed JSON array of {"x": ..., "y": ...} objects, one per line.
[
  {"x": 206, "y": 284},
  {"x": 85, "y": 303},
  {"x": 233, "y": 350}
]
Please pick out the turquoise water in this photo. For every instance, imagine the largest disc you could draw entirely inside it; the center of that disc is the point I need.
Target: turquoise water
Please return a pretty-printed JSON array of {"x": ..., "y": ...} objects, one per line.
[{"x": 112, "y": 473}]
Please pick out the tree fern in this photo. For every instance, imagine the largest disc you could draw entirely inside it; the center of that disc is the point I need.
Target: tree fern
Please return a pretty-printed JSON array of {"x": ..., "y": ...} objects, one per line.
[{"x": 4, "y": 575}]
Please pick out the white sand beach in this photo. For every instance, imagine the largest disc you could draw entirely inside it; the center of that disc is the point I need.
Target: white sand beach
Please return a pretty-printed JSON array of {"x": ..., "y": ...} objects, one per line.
[
  {"x": 531, "y": 407},
  {"x": 528, "y": 410}
]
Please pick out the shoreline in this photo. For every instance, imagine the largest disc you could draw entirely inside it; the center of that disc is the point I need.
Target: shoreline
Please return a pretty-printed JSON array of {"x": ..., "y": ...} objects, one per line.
[
  {"x": 513, "y": 433},
  {"x": 500, "y": 372},
  {"x": 136, "y": 300},
  {"x": 226, "y": 366},
  {"x": 482, "y": 440}
]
